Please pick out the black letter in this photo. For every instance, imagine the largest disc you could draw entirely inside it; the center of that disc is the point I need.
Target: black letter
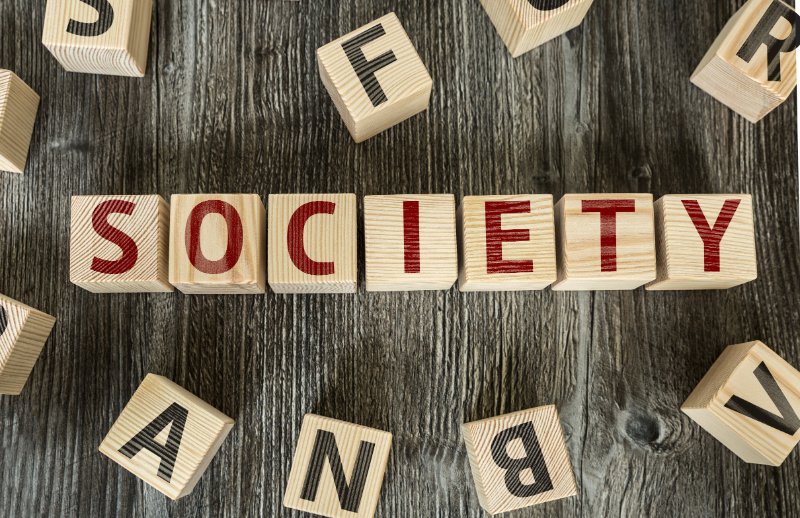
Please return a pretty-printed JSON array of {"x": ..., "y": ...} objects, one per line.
[
  {"x": 547, "y": 5},
  {"x": 168, "y": 452},
  {"x": 349, "y": 494},
  {"x": 366, "y": 69},
  {"x": 787, "y": 422},
  {"x": 3, "y": 320},
  {"x": 105, "y": 17},
  {"x": 533, "y": 460},
  {"x": 761, "y": 36}
]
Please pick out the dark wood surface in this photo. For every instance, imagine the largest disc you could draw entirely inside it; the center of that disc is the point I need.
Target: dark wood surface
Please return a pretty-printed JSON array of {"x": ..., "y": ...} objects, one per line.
[{"x": 232, "y": 102}]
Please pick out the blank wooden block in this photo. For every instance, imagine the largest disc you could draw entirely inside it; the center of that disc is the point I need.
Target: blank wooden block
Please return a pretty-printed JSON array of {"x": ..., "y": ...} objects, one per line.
[
  {"x": 523, "y": 25},
  {"x": 23, "y": 332},
  {"x": 519, "y": 460},
  {"x": 507, "y": 243},
  {"x": 337, "y": 469},
  {"x": 217, "y": 244},
  {"x": 166, "y": 436},
  {"x": 313, "y": 243},
  {"x": 119, "y": 244},
  {"x": 410, "y": 242},
  {"x": 605, "y": 241},
  {"x": 750, "y": 401},
  {"x": 108, "y": 37},
  {"x": 751, "y": 67},
  {"x": 18, "y": 107},
  {"x": 375, "y": 77},
  {"x": 704, "y": 242}
]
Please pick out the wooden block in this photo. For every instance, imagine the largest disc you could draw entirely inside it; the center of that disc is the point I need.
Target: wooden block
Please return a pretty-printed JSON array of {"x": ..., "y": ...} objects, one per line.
[
  {"x": 410, "y": 242},
  {"x": 375, "y": 77},
  {"x": 750, "y": 401},
  {"x": 519, "y": 460},
  {"x": 704, "y": 242},
  {"x": 23, "y": 332},
  {"x": 313, "y": 243},
  {"x": 108, "y": 37},
  {"x": 18, "y": 107},
  {"x": 119, "y": 244},
  {"x": 751, "y": 67},
  {"x": 523, "y": 25},
  {"x": 507, "y": 243},
  {"x": 337, "y": 469},
  {"x": 605, "y": 241},
  {"x": 217, "y": 244},
  {"x": 166, "y": 436}
]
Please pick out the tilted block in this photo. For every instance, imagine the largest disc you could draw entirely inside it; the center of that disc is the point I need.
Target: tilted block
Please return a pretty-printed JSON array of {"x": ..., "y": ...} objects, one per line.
[
  {"x": 750, "y": 401},
  {"x": 313, "y": 245},
  {"x": 18, "y": 107},
  {"x": 507, "y": 243},
  {"x": 375, "y": 77},
  {"x": 119, "y": 244},
  {"x": 109, "y": 37},
  {"x": 217, "y": 244},
  {"x": 704, "y": 242},
  {"x": 166, "y": 436},
  {"x": 519, "y": 460},
  {"x": 751, "y": 66},
  {"x": 23, "y": 332},
  {"x": 337, "y": 469},
  {"x": 410, "y": 242}
]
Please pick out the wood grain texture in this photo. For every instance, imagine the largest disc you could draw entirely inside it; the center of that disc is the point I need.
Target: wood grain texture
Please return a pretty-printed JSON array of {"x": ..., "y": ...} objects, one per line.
[
  {"x": 18, "y": 107},
  {"x": 23, "y": 333},
  {"x": 232, "y": 102}
]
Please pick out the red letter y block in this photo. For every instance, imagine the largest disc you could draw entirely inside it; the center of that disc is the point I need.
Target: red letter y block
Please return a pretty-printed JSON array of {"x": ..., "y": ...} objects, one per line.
[{"x": 711, "y": 236}]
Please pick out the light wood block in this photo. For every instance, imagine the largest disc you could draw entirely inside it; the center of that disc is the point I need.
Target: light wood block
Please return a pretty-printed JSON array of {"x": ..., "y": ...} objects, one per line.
[
  {"x": 337, "y": 469},
  {"x": 23, "y": 332},
  {"x": 605, "y": 241},
  {"x": 410, "y": 242},
  {"x": 18, "y": 107},
  {"x": 217, "y": 244},
  {"x": 119, "y": 244},
  {"x": 519, "y": 460},
  {"x": 313, "y": 245},
  {"x": 507, "y": 243},
  {"x": 375, "y": 77},
  {"x": 166, "y": 436},
  {"x": 108, "y": 37},
  {"x": 705, "y": 242},
  {"x": 750, "y": 401},
  {"x": 751, "y": 66}
]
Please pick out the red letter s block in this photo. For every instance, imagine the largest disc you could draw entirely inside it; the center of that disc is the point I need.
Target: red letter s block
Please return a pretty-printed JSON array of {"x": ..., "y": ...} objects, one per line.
[{"x": 130, "y": 252}]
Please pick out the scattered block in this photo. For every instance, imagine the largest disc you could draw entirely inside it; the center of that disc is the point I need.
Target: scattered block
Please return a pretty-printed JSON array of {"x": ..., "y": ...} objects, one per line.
[
  {"x": 18, "y": 107},
  {"x": 108, "y": 37},
  {"x": 751, "y": 66},
  {"x": 375, "y": 77},
  {"x": 313, "y": 243},
  {"x": 217, "y": 244},
  {"x": 166, "y": 436},
  {"x": 23, "y": 332},
  {"x": 750, "y": 401},
  {"x": 337, "y": 469},
  {"x": 606, "y": 241},
  {"x": 704, "y": 242},
  {"x": 507, "y": 243},
  {"x": 519, "y": 460}
]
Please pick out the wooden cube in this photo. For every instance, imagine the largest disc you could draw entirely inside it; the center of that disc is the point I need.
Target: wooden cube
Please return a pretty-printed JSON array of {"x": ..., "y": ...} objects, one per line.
[
  {"x": 313, "y": 246},
  {"x": 23, "y": 332},
  {"x": 166, "y": 436},
  {"x": 18, "y": 107},
  {"x": 750, "y": 401},
  {"x": 375, "y": 77},
  {"x": 751, "y": 66},
  {"x": 519, "y": 460},
  {"x": 605, "y": 241},
  {"x": 523, "y": 25},
  {"x": 410, "y": 242},
  {"x": 108, "y": 37},
  {"x": 119, "y": 244},
  {"x": 704, "y": 242},
  {"x": 218, "y": 244},
  {"x": 337, "y": 469},
  {"x": 507, "y": 243}
]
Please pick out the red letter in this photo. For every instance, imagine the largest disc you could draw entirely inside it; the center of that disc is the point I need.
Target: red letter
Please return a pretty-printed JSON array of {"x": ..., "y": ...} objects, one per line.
[
  {"x": 130, "y": 252},
  {"x": 608, "y": 210},
  {"x": 496, "y": 236},
  {"x": 235, "y": 236},
  {"x": 294, "y": 238},
  {"x": 411, "y": 236},
  {"x": 711, "y": 236}
]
